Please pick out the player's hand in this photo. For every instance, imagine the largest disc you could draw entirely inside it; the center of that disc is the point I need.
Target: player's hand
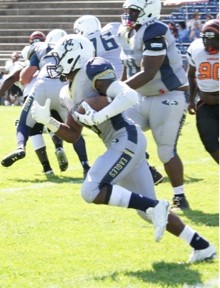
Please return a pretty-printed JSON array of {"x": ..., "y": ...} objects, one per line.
[
  {"x": 192, "y": 108},
  {"x": 90, "y": 118},
  {"x": 41, "y": 113}
]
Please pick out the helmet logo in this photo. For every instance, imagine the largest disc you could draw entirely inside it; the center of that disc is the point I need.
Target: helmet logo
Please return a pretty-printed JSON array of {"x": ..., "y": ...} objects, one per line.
[{"x": 70, "y": 44}]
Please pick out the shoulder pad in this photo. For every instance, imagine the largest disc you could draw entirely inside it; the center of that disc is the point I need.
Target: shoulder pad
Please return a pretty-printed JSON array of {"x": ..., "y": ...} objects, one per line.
[
  {"x": 98, "y": 66},
  {"x": 155, "y": 30}
]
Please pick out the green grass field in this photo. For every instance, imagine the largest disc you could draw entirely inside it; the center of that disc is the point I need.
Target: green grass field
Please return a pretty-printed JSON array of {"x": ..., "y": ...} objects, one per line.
[{"x": 50, "y": 238}]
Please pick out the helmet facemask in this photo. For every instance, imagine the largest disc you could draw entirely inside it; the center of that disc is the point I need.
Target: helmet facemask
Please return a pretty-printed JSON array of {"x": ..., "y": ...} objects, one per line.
[
  {"x": 211, "y": 42},
  {"x": 130, "y": 17},
  {"x": 210, "y": 36},
  {"x": 70, "y": 54},
  {"x": 148, "y": 10}
]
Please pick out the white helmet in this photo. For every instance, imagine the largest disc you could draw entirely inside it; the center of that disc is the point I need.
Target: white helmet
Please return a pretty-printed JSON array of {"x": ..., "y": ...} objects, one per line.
[
  {"x": 71, "y": 53},
  {"x": 54, "y": 35},
  {"x": 149, "y": 10},
  {"x": 86, "y": 25}
]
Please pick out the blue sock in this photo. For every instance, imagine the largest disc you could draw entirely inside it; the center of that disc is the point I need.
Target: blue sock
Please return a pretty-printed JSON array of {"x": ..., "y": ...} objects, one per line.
[
  {"x": 140, "y": 202},
  {"x": 199, "y": 243}
]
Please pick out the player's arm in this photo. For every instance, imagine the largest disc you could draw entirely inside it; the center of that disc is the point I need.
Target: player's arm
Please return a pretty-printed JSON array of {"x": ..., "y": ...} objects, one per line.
[
  {"x": 193, "y": 88},
  {"x": 27, "y": 74},
  {"x": 70, "y": 132},
  {"x": 124, "y": 73},
  {"x": 29, "y": 71},
  {"x": 149, "y": 67},
  {"x": 123, "y": 98},
  {"x": 154, "y": 53},
  {"x": 9, "y": 81}
]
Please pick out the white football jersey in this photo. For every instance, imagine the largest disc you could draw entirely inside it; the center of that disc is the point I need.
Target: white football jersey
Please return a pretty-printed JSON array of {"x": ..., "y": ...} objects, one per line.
[
  {"x": 82, "y": 87},
  {"x": 12, "y": 67},
  {"x": 143, "y": 42},
  {"x": 39, "y": 50},
  {"x": 207, "y": 66},
  {"x": 107, "y": 46}
]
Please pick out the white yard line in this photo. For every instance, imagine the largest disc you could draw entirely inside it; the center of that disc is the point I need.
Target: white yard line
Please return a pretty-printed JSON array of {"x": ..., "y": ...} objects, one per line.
[{"x": 33, "y": 187}]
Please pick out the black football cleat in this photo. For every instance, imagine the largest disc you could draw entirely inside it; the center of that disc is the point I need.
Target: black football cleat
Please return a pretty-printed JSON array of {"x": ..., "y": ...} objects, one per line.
[
  {"x": 157, "y": 177},
  {"x": 12, "y": 158},
  {"x": 180, "y": 202}
]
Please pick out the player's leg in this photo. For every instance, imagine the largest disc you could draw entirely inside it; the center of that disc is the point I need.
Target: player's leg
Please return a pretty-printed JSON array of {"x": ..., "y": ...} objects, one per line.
[
  {"x": 135, "y": 113},
  {"x": 26, "y": 122},
  {"x": 80, "y": 148},
  {"x": 60, "y": 114},
  {"x": 58, "y": 143},
  {"x": 167, "y": 116},
  {"x": 207, "y": 121},
  {"x": 100, "y": 186},
  {"x": 202, "y": 249},
  {"x": 39, "y": 146}
]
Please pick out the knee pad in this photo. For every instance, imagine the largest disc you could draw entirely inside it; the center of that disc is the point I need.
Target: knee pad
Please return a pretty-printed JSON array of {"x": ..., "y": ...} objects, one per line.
[
  {"x": 89, "y": 191},
  {"x": 165, "y": 153}
]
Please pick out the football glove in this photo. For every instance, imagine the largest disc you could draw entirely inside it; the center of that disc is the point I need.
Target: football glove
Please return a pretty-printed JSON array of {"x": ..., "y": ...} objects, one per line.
[
  {"x": 41, "y": 114},
  {"x": 91, "y": 117}
]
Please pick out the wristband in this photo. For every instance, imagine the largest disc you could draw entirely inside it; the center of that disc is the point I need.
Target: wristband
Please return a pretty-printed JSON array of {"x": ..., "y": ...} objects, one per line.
[{"x": 53, "y": 125}]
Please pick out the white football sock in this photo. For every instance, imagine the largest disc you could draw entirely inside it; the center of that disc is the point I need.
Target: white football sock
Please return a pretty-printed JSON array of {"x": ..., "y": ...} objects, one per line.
[
  {"x": 178, "y": 190},
  {"x": 37, "y": 141},
  {"x": 119, "y": 197},
  {"x": 187, "y": 234}
]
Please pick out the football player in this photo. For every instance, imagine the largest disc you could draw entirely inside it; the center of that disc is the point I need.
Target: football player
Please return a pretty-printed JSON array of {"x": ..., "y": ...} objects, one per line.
[
  {"x": 36, "y": 132},
  {"x": 14, "y": 93},
  {"x": 52, "y": 87},
  {"x": 203, "y": 75},
  {"x": 120, "y": 176},
  {"x": 105, "y": 41},
  {"x": 153, "y": 67}
]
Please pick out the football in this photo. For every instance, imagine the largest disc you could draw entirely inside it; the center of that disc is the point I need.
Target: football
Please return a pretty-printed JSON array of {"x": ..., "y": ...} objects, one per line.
[{"x": 96, "y": 102}]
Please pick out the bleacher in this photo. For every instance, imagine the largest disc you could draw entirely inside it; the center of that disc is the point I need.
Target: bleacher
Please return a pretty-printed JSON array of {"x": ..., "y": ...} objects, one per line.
[
  {"x": 19, "y": 18},
  {"x": 185, "y": 13}
]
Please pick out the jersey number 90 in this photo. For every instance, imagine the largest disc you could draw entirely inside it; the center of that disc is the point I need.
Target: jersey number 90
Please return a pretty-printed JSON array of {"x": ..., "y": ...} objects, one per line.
[{"x": 208, "y": 71}]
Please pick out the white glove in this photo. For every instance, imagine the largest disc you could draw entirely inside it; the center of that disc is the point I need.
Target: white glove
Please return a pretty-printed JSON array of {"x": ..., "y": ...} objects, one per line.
[
  {"x": 91, "y": 117},
  {"x": 41, "y": 113}
]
